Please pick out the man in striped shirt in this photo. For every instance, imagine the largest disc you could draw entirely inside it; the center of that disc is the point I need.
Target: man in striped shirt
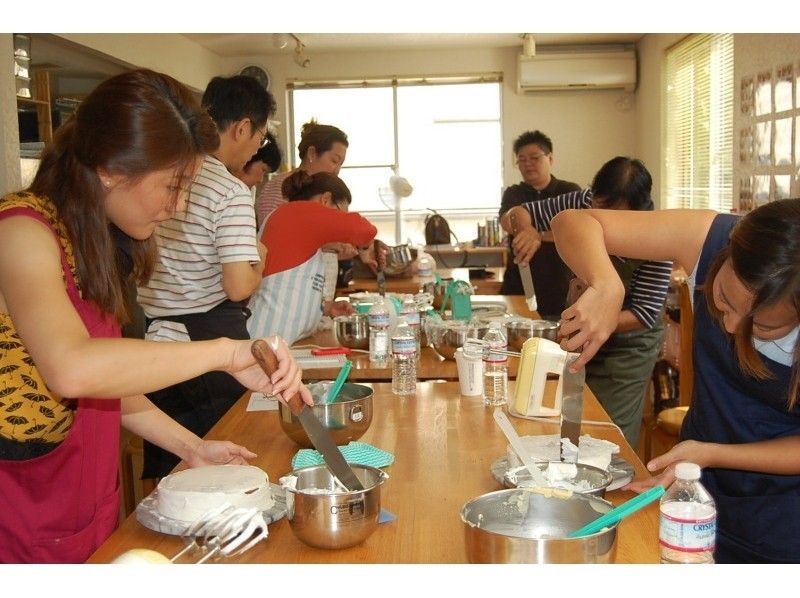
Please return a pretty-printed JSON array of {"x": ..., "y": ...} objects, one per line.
[
  {"x": 620, "y": 371},
  {"x": 210, "y": 261}
]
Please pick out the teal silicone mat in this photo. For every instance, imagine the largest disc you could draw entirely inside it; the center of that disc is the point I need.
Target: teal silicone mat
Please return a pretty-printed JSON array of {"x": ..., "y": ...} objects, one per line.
[{"x": 354, "y": 452}]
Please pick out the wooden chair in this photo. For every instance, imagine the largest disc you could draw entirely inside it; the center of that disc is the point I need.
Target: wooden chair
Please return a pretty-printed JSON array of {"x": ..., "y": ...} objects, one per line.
[
  {"x": 662, "y": 433},
  {"x": 133, "y": 488}
]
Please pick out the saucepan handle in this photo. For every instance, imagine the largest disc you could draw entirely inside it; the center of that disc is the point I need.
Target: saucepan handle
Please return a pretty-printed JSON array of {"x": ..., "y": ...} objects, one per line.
[{"x": 266, "y": 358}]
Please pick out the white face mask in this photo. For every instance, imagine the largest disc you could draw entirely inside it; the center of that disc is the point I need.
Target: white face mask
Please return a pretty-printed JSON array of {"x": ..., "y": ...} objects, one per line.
[{"x": 779, "y": 349}]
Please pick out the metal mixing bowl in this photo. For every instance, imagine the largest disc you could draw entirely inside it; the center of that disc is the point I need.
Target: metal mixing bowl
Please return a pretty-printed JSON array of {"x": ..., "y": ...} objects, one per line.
[
  {"x": 346, "y": 419},
  {"x": 452, "y": 334},
  {"x": 518, "y": 331},
  {"x": 336, "y": 518},
  {"x": 596, "y": 479},
  {"x": 352, "y": 331},
  {"x": 519, "y": 526},
  {"x": 398, "y": 260}
]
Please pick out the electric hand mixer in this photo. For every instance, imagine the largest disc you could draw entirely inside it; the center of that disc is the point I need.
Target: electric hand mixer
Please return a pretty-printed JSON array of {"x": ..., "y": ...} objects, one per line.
[{"x": 539, "y": 357}]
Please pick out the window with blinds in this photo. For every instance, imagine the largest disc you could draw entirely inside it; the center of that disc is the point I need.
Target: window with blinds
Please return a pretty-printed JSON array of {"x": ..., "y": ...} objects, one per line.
[{"x": 699, "y": 124}]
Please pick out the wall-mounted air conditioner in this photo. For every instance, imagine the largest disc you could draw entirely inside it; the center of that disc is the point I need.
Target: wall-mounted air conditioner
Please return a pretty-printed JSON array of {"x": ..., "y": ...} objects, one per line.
[{"x": 608, "y": 69}]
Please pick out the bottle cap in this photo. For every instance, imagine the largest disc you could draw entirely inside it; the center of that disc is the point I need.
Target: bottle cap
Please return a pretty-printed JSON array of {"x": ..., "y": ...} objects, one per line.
[{"x": 687, "y": 471}]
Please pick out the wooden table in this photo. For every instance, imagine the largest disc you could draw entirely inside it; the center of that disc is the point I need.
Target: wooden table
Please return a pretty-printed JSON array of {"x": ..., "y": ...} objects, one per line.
[
  {"x": 444, "y": 445},
  {"x": 413, "y": 284},
  {"x": 431, "y": 365}
]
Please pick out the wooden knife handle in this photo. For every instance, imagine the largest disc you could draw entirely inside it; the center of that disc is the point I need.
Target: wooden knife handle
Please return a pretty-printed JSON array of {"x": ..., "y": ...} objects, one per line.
[
  {"x": 513, "y": 221},
  {"x": 376, "y": 250},
  {"x": 266, "y": 358}
]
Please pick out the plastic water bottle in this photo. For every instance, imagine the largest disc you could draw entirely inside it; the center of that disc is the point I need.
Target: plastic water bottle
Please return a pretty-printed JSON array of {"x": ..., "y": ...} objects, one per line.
[
  {"x": 688, "y": 522},
  {"x": 425, "y": 266},
  {"x": 379, "y": 324},
  {"x": 495, "y": 367},
  {"x": 410, "y": 311},
  {"x": 404, "y": 359}
]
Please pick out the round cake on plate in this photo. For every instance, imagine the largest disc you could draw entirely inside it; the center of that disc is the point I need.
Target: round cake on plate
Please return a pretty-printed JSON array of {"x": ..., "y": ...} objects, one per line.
[{"x": 189, "y": 494}]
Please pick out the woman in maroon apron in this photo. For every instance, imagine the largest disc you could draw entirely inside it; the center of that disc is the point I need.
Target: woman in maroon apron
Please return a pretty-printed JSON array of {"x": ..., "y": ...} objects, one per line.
[
  {"x": 68, "y": 246},
  {"x": 743, "y": 426}
]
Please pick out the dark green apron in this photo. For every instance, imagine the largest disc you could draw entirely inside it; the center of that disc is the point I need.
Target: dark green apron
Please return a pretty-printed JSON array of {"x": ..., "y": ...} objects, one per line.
[{"x": 620, "y": 371}]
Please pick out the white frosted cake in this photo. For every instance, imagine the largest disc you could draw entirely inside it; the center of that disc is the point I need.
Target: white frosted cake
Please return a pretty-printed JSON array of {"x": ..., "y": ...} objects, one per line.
[{"x": 188, "y": 495}]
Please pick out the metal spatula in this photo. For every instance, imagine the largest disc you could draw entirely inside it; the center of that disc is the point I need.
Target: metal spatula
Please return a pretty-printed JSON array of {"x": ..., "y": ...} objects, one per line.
[
  {"x": 516, "y": 443},
  {"x": 317, "y": 433}
]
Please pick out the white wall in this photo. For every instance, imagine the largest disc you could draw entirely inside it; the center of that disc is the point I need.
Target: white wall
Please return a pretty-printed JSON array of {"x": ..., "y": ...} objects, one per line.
[
  {"x": 753, "y": 54},
  {"x": 650, "y": 118},
  {"x": 587, "y": 127},
  {"x": 9, "y": 128}
]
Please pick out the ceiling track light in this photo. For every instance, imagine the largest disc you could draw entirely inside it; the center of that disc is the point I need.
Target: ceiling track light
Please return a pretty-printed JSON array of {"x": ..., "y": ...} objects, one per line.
[
  {"x": 528, "y": 45},
  {"x": 300, "y": 57}
]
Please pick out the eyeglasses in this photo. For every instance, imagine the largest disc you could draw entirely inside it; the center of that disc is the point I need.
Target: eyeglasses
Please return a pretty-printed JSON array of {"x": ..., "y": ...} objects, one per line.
[
  {"x": 530, "y": 158},
  {"x": 264, "y": 138}
]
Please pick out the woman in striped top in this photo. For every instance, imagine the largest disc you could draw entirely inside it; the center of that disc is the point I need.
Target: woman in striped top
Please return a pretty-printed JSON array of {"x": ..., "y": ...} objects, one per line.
[
  {"x": 621, "y": 370},
  {"x": 322, "y": 148}
]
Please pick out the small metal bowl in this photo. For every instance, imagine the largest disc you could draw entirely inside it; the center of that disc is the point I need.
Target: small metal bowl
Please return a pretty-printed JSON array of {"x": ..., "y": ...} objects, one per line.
[
  {"x": 593, "y": 478},
  {"x": 346, "y": 419},
  {"x": 330, "y": 517},
  {"x": 520, "y": 330},
  {"x": 352, "y": 331},
  {"x": 452, "y": 334},
  {"x": 520, "y": 526}
]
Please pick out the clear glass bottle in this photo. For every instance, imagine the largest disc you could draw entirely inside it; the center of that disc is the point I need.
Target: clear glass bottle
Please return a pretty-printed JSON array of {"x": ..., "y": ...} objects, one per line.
[
  {"x": 379, "y": 326},
  {"x": 410, "y": 311},
  {"x": 495, "y": 367},
  {"x": 688, "y": 519},
  {"x": 404, "y": 359}
]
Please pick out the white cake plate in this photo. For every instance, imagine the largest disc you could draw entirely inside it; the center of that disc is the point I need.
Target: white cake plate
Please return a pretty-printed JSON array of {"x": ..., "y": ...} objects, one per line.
[{"x": 147, "y": 513}]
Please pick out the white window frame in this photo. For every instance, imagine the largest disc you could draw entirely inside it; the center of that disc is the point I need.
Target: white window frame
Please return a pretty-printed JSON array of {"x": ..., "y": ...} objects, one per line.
[{"x": 473, "y": 213}]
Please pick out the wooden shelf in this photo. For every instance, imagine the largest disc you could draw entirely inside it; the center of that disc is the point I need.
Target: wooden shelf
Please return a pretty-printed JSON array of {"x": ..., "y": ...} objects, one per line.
[
  {"x": 40, "y": 89},
  {"x": 32, "y": 102}
]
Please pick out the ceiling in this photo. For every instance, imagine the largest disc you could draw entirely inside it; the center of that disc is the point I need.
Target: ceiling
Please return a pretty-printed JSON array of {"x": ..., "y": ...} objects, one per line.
[
  {"x": 67, "y": 59},
  {"x": 242, "y": 44}
]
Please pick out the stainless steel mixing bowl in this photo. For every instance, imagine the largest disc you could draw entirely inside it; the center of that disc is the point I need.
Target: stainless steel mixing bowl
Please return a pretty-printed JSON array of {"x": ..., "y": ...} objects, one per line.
[
  {"x": 330, "y": 517},
  {"x": 352, "y": 331},
  {"x": 518, "y": 331},
  {"x": 452, "y": 334},
  {"x": 346, "y": 419},
  {"x": 519, "y": 526}
]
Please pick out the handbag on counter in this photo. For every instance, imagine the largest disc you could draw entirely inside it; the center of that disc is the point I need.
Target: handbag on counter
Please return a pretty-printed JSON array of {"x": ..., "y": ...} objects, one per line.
[{"x": 437, "y": 230}]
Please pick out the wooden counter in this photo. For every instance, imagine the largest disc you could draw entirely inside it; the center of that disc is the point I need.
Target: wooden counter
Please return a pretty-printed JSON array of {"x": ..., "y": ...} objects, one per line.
[
  {"x": 444, "y": 445},
  {"x": 413, "y": 284},
  {"x": 431, "y": 365}
]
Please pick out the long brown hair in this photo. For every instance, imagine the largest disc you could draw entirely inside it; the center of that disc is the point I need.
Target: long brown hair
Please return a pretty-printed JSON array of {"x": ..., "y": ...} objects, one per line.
[
  {"x": 131, "y": 124},
  {"x": 764, "y": 253}
]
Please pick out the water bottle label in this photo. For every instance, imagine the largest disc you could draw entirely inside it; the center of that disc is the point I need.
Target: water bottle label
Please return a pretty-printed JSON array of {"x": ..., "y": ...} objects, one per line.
[
  {"x": 412, "y": 317},
  {"x": 379, "y": 320},
  {"x": 404, "y": 346},
  {"x": 695, "y": 534}
]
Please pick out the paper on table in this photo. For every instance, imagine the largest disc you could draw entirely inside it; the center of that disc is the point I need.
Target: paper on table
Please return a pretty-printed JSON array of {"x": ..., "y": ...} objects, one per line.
[
  {"x": 307, "y": 361},
  {"x": 261, "y": 402}
]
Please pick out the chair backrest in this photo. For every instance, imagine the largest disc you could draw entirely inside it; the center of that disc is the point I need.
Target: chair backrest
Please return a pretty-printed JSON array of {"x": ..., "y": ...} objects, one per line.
[{"x": 686, "y": 359}]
